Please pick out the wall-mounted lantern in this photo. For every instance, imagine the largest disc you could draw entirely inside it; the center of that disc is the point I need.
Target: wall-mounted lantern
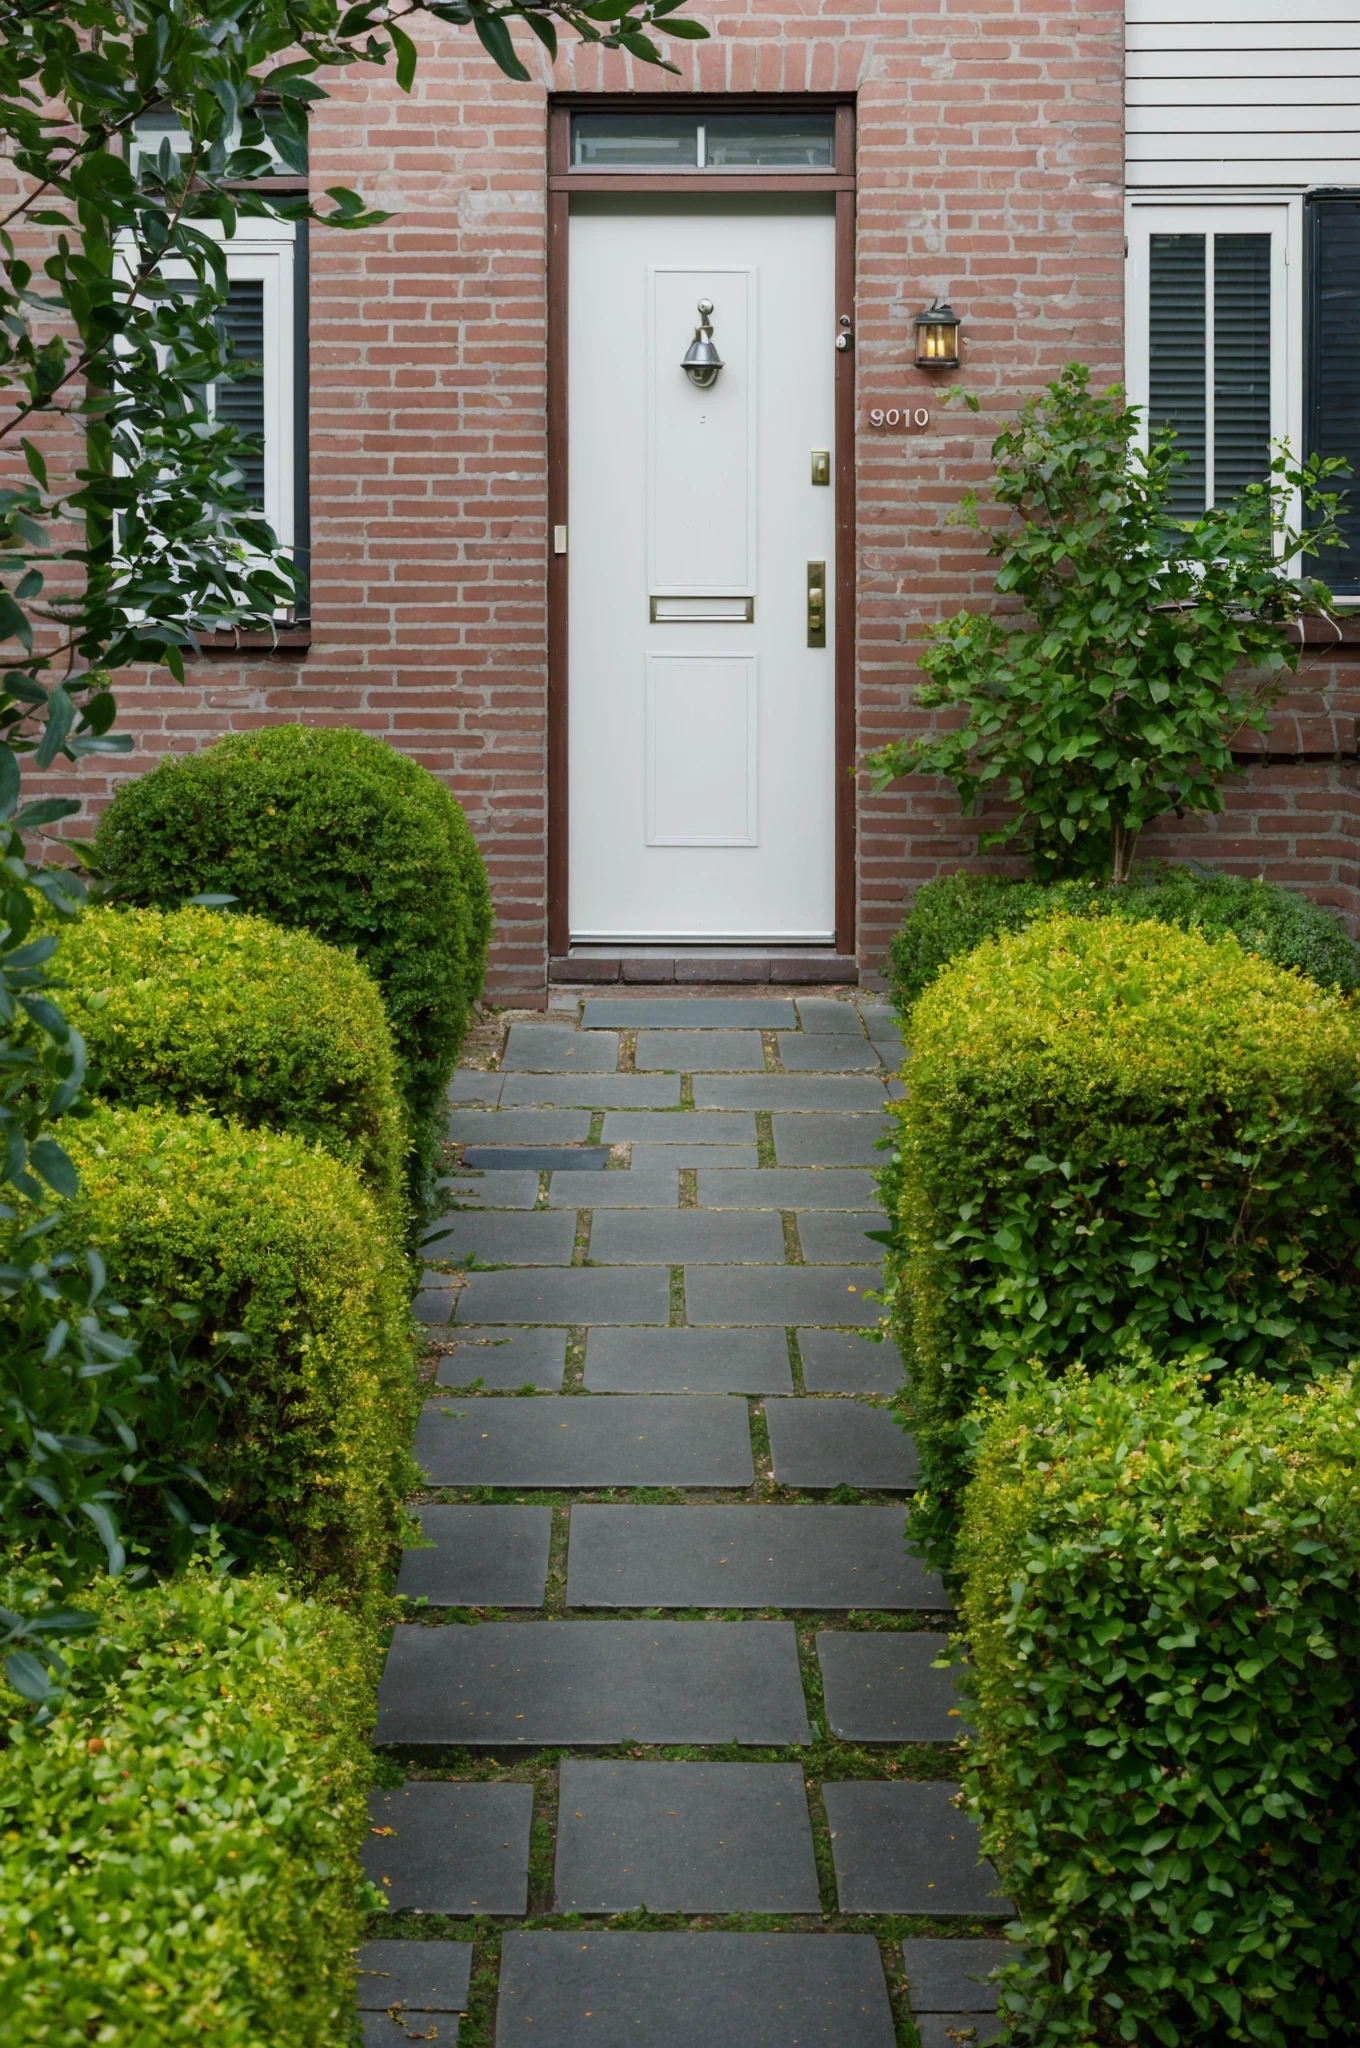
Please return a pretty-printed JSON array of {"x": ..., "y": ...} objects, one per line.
[
  {"x": 937, "y": 337},
  {"x": 701, "y": 361}
]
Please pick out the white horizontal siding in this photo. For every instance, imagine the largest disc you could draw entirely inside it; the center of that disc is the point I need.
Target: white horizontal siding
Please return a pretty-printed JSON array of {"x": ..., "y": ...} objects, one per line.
[{"x": 1242, "y": 92}]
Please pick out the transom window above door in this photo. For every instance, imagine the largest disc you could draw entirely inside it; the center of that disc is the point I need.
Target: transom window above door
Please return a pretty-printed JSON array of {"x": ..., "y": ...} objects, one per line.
[{"x": 620, "y": 141}]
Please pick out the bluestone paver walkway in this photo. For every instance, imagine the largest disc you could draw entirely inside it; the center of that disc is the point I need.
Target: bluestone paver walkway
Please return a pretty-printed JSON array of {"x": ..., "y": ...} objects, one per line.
[{"x": 682, "y": 1558}]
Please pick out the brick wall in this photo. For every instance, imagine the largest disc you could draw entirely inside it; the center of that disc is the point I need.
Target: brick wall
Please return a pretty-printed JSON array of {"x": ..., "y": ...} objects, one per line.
[{"x": 990, "y": 165}]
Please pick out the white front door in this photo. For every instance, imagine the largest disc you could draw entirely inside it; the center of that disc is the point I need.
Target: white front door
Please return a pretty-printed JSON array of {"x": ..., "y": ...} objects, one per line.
[{"x": 701, "y": 721}]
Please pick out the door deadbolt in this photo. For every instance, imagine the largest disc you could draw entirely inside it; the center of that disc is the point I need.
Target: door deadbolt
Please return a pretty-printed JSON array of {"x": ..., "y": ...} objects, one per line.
[{"x": 816, "y": 604}]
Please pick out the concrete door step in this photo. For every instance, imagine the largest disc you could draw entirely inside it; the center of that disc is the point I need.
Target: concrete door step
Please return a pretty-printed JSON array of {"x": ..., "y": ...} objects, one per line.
[{"x": 800, "y": 967}]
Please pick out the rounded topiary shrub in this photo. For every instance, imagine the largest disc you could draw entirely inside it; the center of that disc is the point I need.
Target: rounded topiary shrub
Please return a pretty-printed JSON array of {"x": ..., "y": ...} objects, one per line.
[
  {"x": 1119, "y": 1140},
  {"x": 201, "y": 1009},
  {"x": 305, "y": 1439},
  {"x": 952, "y": 915},
  {"x": 336, "y": 831},
  {"x": 181, "y": 1857}
]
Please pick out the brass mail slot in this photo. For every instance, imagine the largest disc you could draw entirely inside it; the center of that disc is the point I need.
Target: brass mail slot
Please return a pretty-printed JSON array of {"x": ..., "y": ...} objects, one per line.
[{"x": 670, "y": 611}]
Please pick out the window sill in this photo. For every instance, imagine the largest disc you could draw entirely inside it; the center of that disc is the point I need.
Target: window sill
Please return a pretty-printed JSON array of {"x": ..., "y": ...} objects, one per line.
[{"x": 292, "y": 641}]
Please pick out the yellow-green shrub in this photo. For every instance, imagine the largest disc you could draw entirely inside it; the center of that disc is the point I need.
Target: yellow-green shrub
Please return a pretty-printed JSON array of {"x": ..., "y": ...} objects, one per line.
[
  {"x": 180, "y": 1846},
  {"x": 195, "y": 1009},
  {"x": 1162, "y": 1600},
  {"x": 1118, "y": 1135},
  {"x": 270, "y": 1236}
]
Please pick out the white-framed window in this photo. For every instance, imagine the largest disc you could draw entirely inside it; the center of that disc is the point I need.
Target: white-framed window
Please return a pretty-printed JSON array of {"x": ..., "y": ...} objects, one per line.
[
  {"x": 1215, "y": 336},
  {"x": 261, "y": 317}
]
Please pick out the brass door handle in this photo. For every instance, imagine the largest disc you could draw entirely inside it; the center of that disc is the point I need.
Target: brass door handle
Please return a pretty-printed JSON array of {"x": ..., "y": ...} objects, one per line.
[{"x": 816, "y": 604}]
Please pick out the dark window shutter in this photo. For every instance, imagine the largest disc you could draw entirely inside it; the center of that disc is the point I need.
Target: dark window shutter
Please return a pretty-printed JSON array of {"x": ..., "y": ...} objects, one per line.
[
  {"x": 1177, "y": 360},
  {"x": 1333, "y": 398},
  {"x": 1241, "y": 363},
  {"x": 241, "y": 400}
]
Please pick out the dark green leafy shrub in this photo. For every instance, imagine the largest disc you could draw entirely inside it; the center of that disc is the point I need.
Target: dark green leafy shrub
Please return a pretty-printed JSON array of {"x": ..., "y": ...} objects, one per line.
[
  {"x": 951, "y": 916},
  {"x": 194, "y": 1009},
  {"x": 261, "y": 1234},
  {"x": 1162, "y": 1598},
  {"x": 1117, "y": 1136},
  {"x": 181, "y": 1842},
  {"x": 333, "y": 830}
]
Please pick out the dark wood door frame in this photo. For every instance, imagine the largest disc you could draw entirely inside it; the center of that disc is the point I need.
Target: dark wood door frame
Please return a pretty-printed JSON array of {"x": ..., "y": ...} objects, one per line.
[{"x": 562, "y": 182}]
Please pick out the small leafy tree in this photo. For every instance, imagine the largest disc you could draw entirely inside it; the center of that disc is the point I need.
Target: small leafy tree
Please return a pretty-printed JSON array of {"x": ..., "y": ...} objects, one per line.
[
  {"x": 125, "y": 528},
  {"x": 1143, "y": 644}
]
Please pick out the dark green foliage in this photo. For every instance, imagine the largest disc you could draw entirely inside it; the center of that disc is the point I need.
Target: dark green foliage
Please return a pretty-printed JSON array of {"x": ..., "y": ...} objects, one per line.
[
  {"x": 196, "y": 1009},
  {"x": 181, "y": 1841},
  {"x": 1117, "y": 1136},
  {"x": 260, "y": 1234},
  {"x": 336, "y": 831},
  {"x": 1162, "y": 1601},
  {"x": 1143, "y": 642},
  {"x": 956, "y": 913}
]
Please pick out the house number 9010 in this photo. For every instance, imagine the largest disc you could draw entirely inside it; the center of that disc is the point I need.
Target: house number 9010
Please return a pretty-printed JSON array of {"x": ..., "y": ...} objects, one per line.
[{"x": 907, "y": 416}]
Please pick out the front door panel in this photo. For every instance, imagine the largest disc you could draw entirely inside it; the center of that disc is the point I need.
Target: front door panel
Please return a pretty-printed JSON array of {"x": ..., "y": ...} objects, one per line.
[{"x": 701, "y": 721}]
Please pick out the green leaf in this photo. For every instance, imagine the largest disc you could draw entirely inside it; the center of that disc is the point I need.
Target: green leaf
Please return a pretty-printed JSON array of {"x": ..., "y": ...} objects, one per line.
[
  {"x": 14, "y": 624},
  {"x": 29, "y": 1678},
  {"x": 406, "y": 55},
  {"x": 36, "y": 461},
  {"x": 494, "y": 38},
  {"x": 52, "y": 1162}
]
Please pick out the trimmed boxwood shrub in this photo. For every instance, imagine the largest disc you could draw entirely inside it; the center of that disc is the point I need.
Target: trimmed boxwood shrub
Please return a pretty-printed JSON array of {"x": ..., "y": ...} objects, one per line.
[
  {"x": 1162, "y": 1598},
  {"x": 1117, "y": 1135},
  {"x": 198, "y": 1010},
  {"x": 951, "y": 916},
  {"x": 181, "y": 1843},
  {"x": 336, "y": 831},
  {"x": 268, "y": 1236}
]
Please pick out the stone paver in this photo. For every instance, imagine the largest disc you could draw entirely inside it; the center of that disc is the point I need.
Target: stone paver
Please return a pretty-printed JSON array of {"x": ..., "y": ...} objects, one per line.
[
  {"x": 435, "y": 1302},
  {"x": 839, "y": 1443},
  {"x": 830, "y": 1239},
  {"x": 518, "y": 1126},
  {"x": 555, "y": 1049},
  {"x": 537, "y": 1158},
  {"x": 684, "y": 1990},
  {"x": 491, "y": 1191},
  {"x": 820, "y": 1014},
  {"x": 633, "y": 1187},
  {"x": 441, "y": 1847},
  {"x": 785, "y": 1187},
  {"x": 693, "y": 1013},
  {"x": 593, "y": 1091},
  {"x": 884, "y": 1027},
  {"x": 688, "y": 1052},
  {"x": 951, "y": 1976},
  {"x": 503, "y": 1238},
  {"x": 880, "y": 1686},
  {"x": 545, "y": 1440},
  {"x": 684, "y": 1838},
  {"x": 423, "y": 1976},
  {"x": 832, "y": 1295},
  {"x": 482, "y": 1557},
  {"x": 832, "y": 1558},
  {"x": 593, "y": 1683},
  {"x": 831, "y": 1140},
  {"x": 468, "y": 1085},
  {"x": 728, "y": 1157},
  {"x": 906, "y": 1848},
  {"x": 505, "y": 1360},
  {"x": 828, "y": 1052},
  {"x": 818, "y": 1093},
  {"x": 576, "y": 1295},
  {"x": 688, "y": 1128},
  {"x": 688, "y": 1362},
  {"x": 842, "y": 1362},
  {"x": 674, "y": 1237}
]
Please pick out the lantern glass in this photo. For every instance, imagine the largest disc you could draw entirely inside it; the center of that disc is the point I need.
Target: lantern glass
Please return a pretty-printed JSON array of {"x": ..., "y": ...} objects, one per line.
[{"x": 937, "y": 337}]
